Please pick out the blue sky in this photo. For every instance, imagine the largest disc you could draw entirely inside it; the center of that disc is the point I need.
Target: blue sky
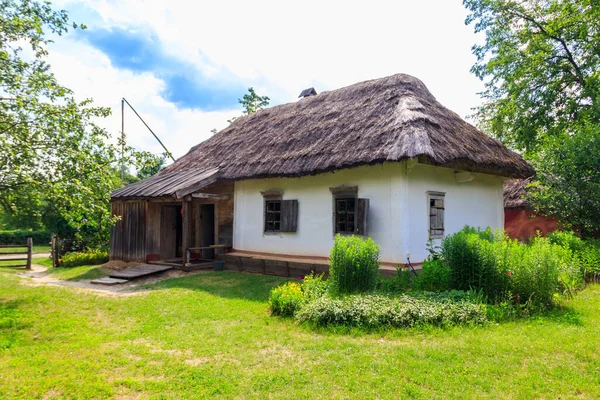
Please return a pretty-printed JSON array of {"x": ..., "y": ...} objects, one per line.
[
  {"x": 138, "y": 52},
  {"x": 184, "y": 65}
]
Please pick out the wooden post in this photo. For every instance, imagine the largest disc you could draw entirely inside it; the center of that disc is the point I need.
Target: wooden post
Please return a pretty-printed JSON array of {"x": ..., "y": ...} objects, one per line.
[
  {"x": 29, "y": 252},
  {"x": 54, "y": 250},
  {"x": 185, "y": 234}
]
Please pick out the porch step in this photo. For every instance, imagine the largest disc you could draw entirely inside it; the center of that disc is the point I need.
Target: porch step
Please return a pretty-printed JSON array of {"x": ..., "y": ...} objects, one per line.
[
  {"x": 108, "y": 281},
  {"x": 139, "y": 271}
]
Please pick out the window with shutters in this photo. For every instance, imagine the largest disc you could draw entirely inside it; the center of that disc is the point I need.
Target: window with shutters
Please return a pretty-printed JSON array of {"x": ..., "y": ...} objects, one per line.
[
  {"x": 349, "y": 211},
  {"x": 436, "y": 215},
  {"x": 279, "y": 215}
]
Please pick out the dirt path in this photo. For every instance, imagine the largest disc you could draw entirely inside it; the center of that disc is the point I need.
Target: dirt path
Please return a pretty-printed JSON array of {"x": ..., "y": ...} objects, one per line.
[{"x": 39, "y": 276}]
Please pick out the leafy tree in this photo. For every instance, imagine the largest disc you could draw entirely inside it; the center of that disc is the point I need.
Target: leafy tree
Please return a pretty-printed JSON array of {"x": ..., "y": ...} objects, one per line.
[
  {"x": 541, "y": 65},
  {"x": 49, "y": 145},
  {"x": 568, "y": 180},
  {"x": 540, "y": 62},
  {"x": 251, "y": 103},
  {"x": 153, "y": 164}
]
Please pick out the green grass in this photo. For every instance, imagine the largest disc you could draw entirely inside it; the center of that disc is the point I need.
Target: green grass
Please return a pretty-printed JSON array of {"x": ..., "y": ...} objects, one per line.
[
  {"x": 36, "y": 249},
  {"x": 209, "y": 336}
]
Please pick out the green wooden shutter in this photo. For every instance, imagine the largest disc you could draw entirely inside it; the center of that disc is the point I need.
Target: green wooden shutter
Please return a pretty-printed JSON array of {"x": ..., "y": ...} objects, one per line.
[
  {"x": 289, "y": 216},
  {"x": 362, "y": 212}
]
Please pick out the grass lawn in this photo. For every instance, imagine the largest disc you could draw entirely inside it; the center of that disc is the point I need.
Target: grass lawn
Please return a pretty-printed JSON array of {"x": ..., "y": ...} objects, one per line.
[
  {"x": 36, "y": 249},
  {"x": 209, "y": 335}
]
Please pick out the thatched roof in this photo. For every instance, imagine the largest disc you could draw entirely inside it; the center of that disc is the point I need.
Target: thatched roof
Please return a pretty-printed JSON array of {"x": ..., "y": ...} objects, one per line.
[
  {"x": 372, "y": 122},
  {"x": 382, "y": 120},
  {"x": 514, "y": 190}
]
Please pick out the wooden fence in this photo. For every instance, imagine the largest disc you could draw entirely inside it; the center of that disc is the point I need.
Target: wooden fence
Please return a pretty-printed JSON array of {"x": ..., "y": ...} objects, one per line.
[{"x": 26, "y": 254}]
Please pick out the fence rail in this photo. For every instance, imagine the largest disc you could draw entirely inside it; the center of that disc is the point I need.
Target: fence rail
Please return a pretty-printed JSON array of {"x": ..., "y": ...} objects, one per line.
[{"x": 27, "y": 254}]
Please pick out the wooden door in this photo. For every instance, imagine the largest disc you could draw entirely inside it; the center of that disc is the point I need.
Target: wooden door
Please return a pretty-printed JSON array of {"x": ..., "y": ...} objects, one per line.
[{"x": 168, "y": 232}]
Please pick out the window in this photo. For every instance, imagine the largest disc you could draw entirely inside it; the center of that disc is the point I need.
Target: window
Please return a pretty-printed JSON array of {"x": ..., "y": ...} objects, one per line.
[
  {"x": 279, "y": 215},
  {"x": 349, "y": 212},
  {"x": 272, "y": 215},
  {"x": 345, "y": 213},
  {"x": 436, "y": 215}
]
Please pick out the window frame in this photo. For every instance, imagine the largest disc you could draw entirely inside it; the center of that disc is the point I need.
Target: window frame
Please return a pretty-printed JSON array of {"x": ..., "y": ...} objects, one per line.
[
  {"x": 267, "y": 213},
  {"x": 343, "y": 193},
  {"x": 433, "y": 196},
  {"x": 270, "y": 196}
]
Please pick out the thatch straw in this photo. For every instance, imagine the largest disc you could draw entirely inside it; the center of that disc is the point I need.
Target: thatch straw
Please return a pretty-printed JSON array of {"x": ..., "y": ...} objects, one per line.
[
  {"x": 382, "y": 120},
  {"x": 514, "y": 190}
]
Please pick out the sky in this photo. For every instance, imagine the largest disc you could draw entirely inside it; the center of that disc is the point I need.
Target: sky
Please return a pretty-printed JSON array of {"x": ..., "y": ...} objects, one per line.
[{"x": 184, "y": 64}]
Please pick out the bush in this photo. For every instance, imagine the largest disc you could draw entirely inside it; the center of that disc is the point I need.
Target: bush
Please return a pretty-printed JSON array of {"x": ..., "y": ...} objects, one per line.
[
  {"x": 90, "y": 257},
  {"x": 314, "y": 286},
  {"x": 498, "y": 265},
  {"x": 284, "y": 300},
  {"x": 353, "y": 264},
  {"x": 476, "y": 261},
  {"x": 40, "y": 238},
  {"x": 435, "y": 276},
  {"x": 376, "y": 311},
  {"x": 588, "y": 251}
]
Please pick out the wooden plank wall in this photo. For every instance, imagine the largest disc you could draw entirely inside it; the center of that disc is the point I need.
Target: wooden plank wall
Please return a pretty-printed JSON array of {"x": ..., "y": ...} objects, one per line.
[{"x": 128, "y": 236}]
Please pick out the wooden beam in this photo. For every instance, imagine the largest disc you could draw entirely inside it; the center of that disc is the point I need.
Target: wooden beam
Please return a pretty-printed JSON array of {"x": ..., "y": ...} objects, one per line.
[
  {"x": 210, "y": 196},
  {"x": 197, "y": 186},
  {"x": 185, "y": 234}
]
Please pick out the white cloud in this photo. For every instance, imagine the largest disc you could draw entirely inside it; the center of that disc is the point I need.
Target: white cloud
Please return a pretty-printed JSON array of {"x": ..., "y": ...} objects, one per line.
[
  {"x": 278, "y": 47},
  {"x": 89, "y": 73}
]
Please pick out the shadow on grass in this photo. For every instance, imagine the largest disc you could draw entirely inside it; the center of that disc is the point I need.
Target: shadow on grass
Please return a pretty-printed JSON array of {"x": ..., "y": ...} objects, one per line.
[
  {"x": 76, "y": 273},
  {"x": 228, "y": 284}
]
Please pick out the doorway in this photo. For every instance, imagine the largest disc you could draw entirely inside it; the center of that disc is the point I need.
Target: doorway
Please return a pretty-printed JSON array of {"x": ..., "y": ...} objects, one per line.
[
  {"x": 207, "y": 229},
  {"x": 170, "y": 231}
]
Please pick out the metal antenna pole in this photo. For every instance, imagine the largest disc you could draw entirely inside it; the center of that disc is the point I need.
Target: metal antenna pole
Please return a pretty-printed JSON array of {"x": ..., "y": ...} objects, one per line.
[
  {"x": 122, "y": 138},
  {"x": 153, "y": 134}
]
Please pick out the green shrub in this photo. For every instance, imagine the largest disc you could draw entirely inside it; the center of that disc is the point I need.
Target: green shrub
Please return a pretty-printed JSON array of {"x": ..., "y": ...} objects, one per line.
[
  {"x": 543, "y": 270},
  {"x": 566, "y": 239},
  {"x": 353, "y": 264},
  {"x": 40, "y": 238},
  {"x": 477, "y": 261},
  {"x": 89, "y": 257},
  {"x": 314, "y": 286},
  {"x": 590, "y": 259},
  {"x": 498, "y": 265},
  {"x": 376, "y": 311},
  {"x": 284, "y": 300},
  {"x": 435, "y": 276}
]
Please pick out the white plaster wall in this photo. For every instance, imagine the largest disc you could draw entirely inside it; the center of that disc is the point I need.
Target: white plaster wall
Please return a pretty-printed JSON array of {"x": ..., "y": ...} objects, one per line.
[
  {"x": 398, "y": 213},
  {"x": 315, "y": 206},
  {"x": 477, "y": 203}
]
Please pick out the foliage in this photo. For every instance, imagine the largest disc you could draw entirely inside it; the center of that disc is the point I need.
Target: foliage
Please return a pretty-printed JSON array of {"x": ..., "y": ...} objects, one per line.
[
  {"x": 588, "y": 251},
  {"x": 353, "y": 264},
  {"x": 20, "y": 237},
  {"x": 314, "y": 286},
  {"x": 152, "y": 165},
  {"x": 52, "y": 151},
  {"x": 541, "y": 67},
  {"x": 435, "y": 276},
  {"x": 498, "y": 265},
  {"x": 251, "y": 102},
  {"x": 284, "y": 300},
  {"x": 568, "y": 180},
  {"x": 90, "y": 257},
  {"x": 376, "y": 311}
]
